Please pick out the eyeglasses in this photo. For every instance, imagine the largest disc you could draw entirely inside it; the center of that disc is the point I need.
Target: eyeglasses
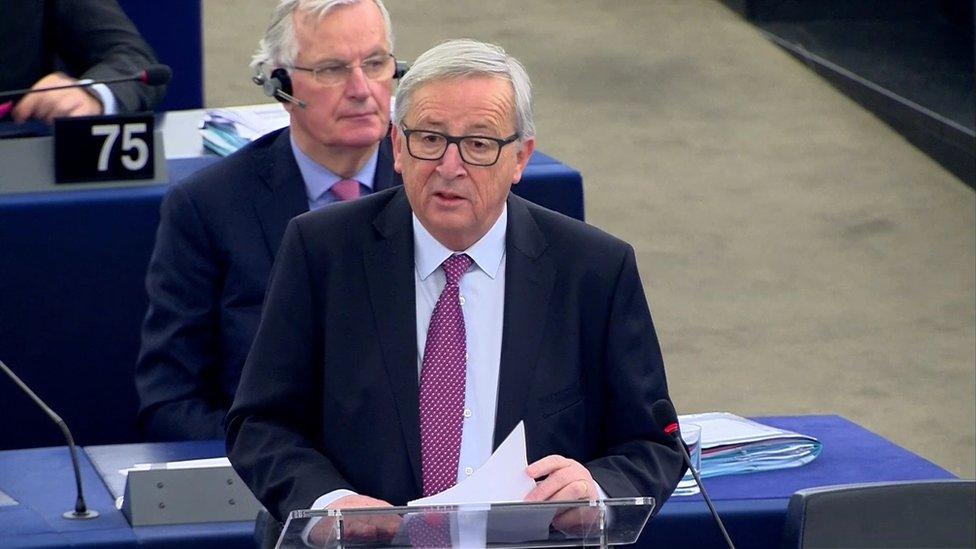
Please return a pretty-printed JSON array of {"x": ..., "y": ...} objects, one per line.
[
  {"x": 378, "y": 68},
  {"x": 477, "y": 150}
]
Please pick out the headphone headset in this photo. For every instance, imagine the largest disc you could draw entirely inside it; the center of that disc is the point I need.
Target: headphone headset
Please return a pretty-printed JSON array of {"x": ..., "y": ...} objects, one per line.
[{"x": 278, "y": 84}]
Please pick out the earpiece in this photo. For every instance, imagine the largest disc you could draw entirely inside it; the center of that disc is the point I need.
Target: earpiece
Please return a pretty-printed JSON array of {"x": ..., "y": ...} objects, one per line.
[
  {"x": 278, "y": 85},
  {"x": 400, "y": 70}
]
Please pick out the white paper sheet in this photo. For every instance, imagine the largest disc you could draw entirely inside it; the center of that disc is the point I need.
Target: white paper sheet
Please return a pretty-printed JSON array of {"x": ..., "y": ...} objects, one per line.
[{"x": 501, "y": 479}]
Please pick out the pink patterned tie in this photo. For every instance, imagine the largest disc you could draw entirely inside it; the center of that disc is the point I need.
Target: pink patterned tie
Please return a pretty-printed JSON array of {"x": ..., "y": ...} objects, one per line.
[
  {"x": 346, "y": 189},
  {"x": 442, "y": 383}
]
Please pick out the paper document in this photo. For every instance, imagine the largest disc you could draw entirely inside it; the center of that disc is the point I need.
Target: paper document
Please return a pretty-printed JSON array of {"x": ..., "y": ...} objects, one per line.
[
  {"x": 227, "y": 130},
  {"x": 733, "y": 445},
  {"x": 502, "y": 479},
  {"x": 6, "y": 500},
  {"x": 188, "y": 464}
]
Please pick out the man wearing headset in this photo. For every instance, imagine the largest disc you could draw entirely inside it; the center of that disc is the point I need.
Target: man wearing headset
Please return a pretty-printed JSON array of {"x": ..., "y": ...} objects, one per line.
[{"x": 331, "y": 63}]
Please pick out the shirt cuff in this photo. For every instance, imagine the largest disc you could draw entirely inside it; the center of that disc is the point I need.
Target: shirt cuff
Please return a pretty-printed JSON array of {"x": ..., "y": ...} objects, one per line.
[
  {"x": 327, "y": 499},
  {"x": 109, "y": 103},
  {"x": 600, "y": 492},
  {"x": 321, "y": 503}
]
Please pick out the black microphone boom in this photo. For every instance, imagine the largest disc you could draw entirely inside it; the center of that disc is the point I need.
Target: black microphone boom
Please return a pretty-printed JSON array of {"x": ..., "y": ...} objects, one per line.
[
  {"x": 81, "y": 510},
  {"x": 667, "y": 419},
  {"x": 153, "y": 75}
]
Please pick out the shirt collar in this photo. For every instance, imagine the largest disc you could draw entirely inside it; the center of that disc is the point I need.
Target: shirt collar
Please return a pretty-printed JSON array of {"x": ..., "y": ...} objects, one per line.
[
  {"x": 319, "y": 179},
  {"x": 487, "y": 252}
]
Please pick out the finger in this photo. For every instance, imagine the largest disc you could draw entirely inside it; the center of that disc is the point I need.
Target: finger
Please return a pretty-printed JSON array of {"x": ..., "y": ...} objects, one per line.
[
  {"x": 87, "y": 107},
  {"x": 577, "y": 489},
  {"x": 546, "y": 465},
  {"x": 560, "y": 490},
  {"x": 46, "y": 108},
  {"x": 359, "y": 530},
  {"x": 558, "y": 480},
  {"x": 66, "y": 103},
  {"x": 24, "y": 110}
]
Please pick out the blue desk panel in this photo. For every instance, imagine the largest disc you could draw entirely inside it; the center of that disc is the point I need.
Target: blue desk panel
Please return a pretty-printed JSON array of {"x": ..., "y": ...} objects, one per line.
[
  {"x": 42, "y": 481},
  {"x": 752, "y": 506},
  {"x": 72, "y": 297}
]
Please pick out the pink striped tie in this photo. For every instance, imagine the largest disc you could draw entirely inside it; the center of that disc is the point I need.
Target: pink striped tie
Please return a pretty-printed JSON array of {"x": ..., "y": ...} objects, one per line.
[
  {"x": 346, "y": 189},
  {"x": 442, "y": 383}
]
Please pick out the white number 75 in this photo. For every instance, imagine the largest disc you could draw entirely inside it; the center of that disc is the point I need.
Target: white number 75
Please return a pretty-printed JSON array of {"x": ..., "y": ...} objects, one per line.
[{"x": 111, "y": 134}]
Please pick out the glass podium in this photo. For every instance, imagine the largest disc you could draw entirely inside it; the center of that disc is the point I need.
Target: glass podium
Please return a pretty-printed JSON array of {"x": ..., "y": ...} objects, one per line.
[{"x": 598, "y": 523}]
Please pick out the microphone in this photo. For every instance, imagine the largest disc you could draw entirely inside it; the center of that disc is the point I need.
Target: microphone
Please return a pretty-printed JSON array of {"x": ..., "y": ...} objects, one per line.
[
  {"x": 81, "y": 510},
  {"x": 664, "y": 415},
  {"x": 153, "y": 75}
]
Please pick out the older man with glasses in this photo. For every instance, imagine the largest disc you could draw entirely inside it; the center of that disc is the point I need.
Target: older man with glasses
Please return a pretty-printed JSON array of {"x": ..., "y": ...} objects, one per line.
[
  {"x": 406, "y": 334},
  {"x": 331, "y": 63}
]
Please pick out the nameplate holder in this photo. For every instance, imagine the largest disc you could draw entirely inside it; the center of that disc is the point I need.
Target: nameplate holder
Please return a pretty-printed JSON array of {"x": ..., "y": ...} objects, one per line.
[
  {"x": 104, "y": 148},
  {"x": 184, "y": 496}
]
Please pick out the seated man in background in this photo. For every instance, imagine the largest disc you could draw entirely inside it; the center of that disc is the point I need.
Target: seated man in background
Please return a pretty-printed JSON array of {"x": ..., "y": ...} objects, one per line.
[
  {"x": 220, "y": 229},
  {"x": 406, "y": 334},
  {"x": 92, "y": 39}
]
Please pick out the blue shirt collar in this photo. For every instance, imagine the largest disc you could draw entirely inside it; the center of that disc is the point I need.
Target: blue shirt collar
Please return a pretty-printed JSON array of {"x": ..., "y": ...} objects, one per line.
[
  {"x": 487, "y": 253},
  {"x": 319, "y": 179}
]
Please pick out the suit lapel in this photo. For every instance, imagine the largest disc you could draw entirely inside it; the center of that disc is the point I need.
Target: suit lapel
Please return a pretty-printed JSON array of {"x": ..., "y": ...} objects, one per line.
[
  {"x": 284, "y": 195},
  {"x": 390, "y": 277},
  {"x": 529, "y": 276}
]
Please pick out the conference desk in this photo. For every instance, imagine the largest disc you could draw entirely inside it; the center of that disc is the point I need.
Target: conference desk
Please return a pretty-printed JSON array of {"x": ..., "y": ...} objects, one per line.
[{"x": 753, "y": 506}]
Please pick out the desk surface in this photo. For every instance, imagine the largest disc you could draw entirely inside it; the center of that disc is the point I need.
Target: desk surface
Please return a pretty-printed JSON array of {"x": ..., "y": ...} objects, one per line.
[
  {"x": 42, "y": 482},
  {"x": 753, "y": 506}
]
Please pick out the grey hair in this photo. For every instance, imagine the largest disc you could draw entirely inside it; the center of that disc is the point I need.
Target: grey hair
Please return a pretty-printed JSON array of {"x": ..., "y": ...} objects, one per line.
[
  {"x": 279, "y": 48},
  {"x": 465, "y": 58}
]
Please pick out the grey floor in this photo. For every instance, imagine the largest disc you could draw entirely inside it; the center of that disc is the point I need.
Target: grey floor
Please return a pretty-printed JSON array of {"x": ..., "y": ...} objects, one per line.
[{"x": 799, "y": 256}]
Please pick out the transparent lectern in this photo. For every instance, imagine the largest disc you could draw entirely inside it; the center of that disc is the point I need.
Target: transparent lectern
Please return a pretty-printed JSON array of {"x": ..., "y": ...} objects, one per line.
[{"x": 598, "y": 523}]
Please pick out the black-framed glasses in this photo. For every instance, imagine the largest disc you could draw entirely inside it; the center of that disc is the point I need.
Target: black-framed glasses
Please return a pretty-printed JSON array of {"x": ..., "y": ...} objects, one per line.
[
  {"x": 378, "y": 68},
  {"x": 477, "y": 150}
]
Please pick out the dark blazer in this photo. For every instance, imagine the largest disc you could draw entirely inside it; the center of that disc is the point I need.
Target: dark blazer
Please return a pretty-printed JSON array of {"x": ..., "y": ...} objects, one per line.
[
  {"x": 84, "y": 38},
  {"x": 217, "y": 237},
  {"x": 329, "y": 395}
]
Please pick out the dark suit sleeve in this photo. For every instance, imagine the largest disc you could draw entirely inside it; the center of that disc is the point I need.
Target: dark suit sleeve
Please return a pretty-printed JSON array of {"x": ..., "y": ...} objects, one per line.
[
  {"x": 277, "y": 410},
  {"x": 177, "y": 361},
  {"x": 96, "y": 40},
  {"x": 639, "y": 458}
]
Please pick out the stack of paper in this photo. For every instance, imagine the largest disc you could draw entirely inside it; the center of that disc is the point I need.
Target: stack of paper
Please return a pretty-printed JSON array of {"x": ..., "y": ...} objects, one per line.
[
  {"x": 226, "y": 130},
  {"x": 733, "y": 445}
]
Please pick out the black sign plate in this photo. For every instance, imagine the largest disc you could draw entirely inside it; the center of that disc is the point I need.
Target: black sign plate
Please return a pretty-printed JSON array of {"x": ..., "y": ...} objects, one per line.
[{"x": 103, "y": 148}]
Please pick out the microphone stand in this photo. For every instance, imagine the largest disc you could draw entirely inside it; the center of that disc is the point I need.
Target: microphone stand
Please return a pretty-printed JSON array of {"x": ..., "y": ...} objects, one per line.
[
  {"x": 708, "y": 500},
  {"x": 81, "y": 511}
]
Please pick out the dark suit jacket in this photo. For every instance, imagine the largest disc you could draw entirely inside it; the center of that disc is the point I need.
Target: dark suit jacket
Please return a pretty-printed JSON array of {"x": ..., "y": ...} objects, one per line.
[
  {"x": 84, "y": 38},
  {"x": 329, "y": 395},
  {"x": 207, "y": 277}
]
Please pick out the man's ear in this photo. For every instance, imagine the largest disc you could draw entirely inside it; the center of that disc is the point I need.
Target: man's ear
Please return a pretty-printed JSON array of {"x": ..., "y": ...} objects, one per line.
[
  {"x": 522, "y": 158},
  {"x": 398, "y": 143}
]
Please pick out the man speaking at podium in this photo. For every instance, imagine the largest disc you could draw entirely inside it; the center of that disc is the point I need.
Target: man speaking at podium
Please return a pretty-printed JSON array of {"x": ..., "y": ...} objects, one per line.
[
  {"x": 219, "y": 229},
  {"x": 407, "y": 333}
]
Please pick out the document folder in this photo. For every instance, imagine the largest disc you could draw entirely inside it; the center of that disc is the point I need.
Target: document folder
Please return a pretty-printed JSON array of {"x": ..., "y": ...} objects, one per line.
[{"x": 598, "y": 523}]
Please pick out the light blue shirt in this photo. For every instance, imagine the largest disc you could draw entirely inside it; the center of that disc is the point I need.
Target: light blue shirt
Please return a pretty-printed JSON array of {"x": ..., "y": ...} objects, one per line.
[
  {"x": 110, "y": 105},
  {"x": 319, "y": 179},
  {"x": 482, "y": 291}
]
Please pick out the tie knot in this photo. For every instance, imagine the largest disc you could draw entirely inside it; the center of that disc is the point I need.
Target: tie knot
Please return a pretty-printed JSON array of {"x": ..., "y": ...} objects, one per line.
[
  {"x": 346, "y": 189},
  {"x": 455, "y": 267}
]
